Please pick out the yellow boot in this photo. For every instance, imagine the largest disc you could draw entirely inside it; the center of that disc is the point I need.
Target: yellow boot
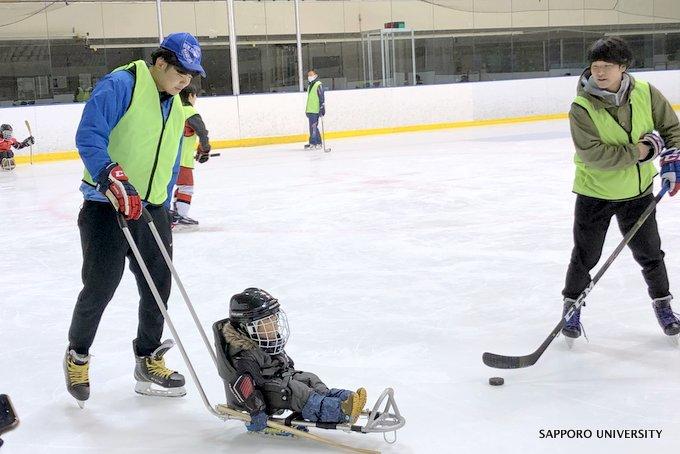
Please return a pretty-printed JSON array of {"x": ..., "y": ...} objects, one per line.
[{"x": 354, "y": 404}]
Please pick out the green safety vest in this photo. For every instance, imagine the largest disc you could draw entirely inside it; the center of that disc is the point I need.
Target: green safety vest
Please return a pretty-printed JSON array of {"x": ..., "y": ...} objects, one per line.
[
  {"x": 189, "y": 142},
  {"x": 83, "y": 95},
  {"x": 625, "y": 183},
  {"x": 143, "y": 143},
  {"x": 313, "y": 97}
]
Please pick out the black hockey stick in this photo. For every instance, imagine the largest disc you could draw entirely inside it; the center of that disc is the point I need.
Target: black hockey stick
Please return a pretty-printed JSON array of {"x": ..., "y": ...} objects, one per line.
[
  {"x": 212, "y": 155},
  {"x": 517, "y": 362}
]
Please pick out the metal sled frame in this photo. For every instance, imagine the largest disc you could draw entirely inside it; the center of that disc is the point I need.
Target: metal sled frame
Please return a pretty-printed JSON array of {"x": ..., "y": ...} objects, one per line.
[
  {"x": 377, "y": 421},
  {"x": 380, "y": 419}
]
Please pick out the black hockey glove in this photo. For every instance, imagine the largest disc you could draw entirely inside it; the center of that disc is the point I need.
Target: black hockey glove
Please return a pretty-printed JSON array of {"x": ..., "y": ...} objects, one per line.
[
  {"x": 27, "y": 142},
  {"x": 202, "y": 154},
  {"x": 247, "y": 395}
]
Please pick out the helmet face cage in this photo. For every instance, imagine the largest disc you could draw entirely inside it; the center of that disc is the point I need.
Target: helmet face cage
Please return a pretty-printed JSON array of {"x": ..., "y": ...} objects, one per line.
[
  {"x": 271, "y": 332},
  {"x": 6, "y": 133}
]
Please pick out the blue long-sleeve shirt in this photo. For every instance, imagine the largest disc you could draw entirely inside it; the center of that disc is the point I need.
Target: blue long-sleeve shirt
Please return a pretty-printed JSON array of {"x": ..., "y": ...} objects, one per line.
[
  {"x": 109, "y": 101},
  {"x": 320, "y": 92}
]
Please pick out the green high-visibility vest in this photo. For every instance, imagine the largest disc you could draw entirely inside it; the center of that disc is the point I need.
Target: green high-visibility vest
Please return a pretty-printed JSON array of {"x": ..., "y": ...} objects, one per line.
[
  {"x": 313, "y": 97},
  {"x": 623, "y": 183},
  {"x": 189, "y": 142},
  {"x": 143, "y": 143}
]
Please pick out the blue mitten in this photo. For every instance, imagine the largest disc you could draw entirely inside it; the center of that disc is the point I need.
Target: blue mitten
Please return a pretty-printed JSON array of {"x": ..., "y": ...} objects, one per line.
[{"x": 258, "y": 422}]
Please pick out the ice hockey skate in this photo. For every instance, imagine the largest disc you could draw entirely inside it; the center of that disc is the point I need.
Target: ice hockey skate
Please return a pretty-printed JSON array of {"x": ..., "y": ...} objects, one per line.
[
  {"x": 666, "y": 317},
  {"x": 572, "y": 328},
  {"x": 153, "y": 378},
  {"x": 183, "y": 223},
  {"x": 76, "y": 372}
]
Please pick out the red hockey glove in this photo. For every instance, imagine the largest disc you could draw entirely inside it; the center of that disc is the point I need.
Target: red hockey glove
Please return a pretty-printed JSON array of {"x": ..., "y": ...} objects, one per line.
[{"x": 114, "y": 184}]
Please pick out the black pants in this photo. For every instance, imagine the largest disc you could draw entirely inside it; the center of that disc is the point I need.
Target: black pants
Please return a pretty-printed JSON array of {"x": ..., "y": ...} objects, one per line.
[
  {"x": 591, "y": 221},
  {"x": 104, "y": 251}
]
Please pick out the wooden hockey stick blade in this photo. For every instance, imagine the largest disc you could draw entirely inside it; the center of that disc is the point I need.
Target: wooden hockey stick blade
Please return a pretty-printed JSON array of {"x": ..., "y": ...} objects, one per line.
[{"x": 225, "y": 409}]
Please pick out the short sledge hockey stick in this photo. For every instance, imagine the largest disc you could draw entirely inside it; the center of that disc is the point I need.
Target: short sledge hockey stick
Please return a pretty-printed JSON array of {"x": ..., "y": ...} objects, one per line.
[
  {"x": 28, "y": 126},
  {"x": 517, "y": 362}
]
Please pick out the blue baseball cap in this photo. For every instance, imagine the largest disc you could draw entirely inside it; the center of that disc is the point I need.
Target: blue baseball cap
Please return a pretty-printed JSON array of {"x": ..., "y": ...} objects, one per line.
[{"x": 185, "y": 46}]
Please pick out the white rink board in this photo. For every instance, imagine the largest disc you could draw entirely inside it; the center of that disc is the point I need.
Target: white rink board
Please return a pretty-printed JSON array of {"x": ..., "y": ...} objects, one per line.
[{"x": 281, "y": 114}]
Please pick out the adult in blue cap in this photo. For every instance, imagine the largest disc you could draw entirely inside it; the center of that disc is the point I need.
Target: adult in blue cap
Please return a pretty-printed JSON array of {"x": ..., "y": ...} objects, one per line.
[{"x": 130, "y": 139}]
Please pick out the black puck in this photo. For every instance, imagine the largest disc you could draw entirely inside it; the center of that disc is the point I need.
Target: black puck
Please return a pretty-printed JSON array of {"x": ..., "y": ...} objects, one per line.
[{"x": 496, "y": 381}]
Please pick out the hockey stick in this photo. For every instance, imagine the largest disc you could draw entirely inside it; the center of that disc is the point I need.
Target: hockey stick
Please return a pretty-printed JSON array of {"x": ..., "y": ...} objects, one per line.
[
  {"x": 323, "y": 138},
  {"x": 292, "y": 430},
  {"x": 212, "y": 155},
  {"x": 517, "y": 362},
  {"x": 28, "y": 126}
]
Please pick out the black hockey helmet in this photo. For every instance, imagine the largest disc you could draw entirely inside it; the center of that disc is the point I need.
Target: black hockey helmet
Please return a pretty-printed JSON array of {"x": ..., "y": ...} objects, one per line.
[
  {"x": 256, "y": 313},
  {"x": 6, "y": 130},
  {"x": 251, "y": 304}
]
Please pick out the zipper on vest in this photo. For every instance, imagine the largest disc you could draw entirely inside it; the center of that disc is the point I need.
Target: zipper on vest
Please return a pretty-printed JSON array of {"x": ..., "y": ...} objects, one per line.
[
  {"x": 158, "y": 152},
  {"x": 630, "y": 139}
]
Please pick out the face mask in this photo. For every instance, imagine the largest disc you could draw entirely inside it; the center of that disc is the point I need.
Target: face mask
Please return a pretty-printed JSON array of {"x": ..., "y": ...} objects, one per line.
[{"x": 311, "y": 78}]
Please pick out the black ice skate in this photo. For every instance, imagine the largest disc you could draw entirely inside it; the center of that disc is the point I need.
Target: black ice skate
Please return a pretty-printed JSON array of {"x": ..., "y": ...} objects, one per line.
[
  {"x": 76, "y": 372},
  {"x": 572, "y": 328},
  {"x": 309, "y": 146},
  {"x": 150, "y": 370},
  {"x": 183, "y": 223},
  {"x": 667, "y": 319}
]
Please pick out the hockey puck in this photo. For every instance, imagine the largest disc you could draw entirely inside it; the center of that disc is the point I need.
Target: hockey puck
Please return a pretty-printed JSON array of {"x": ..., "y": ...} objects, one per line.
[{"x": 496, "y": 381}]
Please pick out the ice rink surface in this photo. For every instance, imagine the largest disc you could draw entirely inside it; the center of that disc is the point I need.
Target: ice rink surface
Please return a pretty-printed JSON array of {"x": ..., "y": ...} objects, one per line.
[{"x": 399, "y": 260}]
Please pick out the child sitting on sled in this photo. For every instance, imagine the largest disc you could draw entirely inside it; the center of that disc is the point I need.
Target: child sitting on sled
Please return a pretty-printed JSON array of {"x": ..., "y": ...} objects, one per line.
[{"x": 267, "y": 380}]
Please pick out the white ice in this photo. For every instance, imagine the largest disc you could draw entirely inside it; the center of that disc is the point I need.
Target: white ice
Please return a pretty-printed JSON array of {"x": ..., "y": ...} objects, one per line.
[{"x": 399, "y": 260}]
